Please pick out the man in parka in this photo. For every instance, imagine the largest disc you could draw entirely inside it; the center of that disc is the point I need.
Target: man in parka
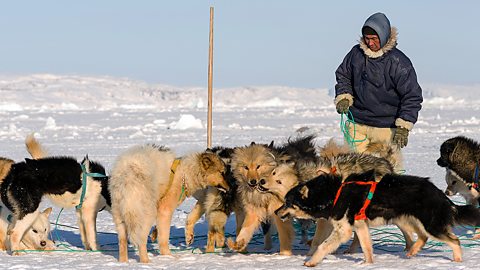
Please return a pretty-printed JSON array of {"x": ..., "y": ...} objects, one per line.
[{"x": 378, "y": 84}]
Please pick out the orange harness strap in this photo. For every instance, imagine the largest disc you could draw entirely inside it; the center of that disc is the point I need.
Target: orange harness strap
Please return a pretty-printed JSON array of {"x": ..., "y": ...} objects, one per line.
[{"x": 361, "y": 214}]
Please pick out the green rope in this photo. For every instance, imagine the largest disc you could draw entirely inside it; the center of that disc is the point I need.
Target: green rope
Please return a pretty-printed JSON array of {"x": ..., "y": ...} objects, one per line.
[
  {"x": 387, "y": 238},
  {"x": 345, "y": 121}
]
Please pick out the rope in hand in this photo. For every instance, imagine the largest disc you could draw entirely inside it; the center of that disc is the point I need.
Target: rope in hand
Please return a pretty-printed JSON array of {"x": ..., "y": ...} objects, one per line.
[{"x": 346, "y": 119}]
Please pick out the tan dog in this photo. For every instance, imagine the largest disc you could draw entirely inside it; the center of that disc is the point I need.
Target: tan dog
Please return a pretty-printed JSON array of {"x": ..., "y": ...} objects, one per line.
[
  {"x": 145, "y": 192},
  {"x": 249, "y": 165},
  {"x": 216, "y": 205}
]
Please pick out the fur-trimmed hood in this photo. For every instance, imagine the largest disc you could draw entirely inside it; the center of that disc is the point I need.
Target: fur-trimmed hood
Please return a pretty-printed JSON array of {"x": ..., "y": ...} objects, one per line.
[{"x": 391, "y": 43}]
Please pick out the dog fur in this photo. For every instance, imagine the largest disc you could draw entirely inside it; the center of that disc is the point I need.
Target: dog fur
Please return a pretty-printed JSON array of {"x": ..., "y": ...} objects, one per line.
[
  {"x": 97, "y": 197},
  {"x": 283, "y": 178},
  {"x": 57, "y": 177},
  {"x": 216, "y": 205},
  {"x": 461, "y": 155},
  {"x": 345, "y": 164},
  {"x": 142, "y": 193},
  {"x": 456, "y": 185},
  {"x": 396, "y": 200},
  {"x": 249, "y": 165},
  {"x": 36, "y": 237}
]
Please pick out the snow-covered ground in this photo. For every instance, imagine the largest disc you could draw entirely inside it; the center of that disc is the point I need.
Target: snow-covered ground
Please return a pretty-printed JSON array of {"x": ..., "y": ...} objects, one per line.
[{"x": 102, "y": 116}]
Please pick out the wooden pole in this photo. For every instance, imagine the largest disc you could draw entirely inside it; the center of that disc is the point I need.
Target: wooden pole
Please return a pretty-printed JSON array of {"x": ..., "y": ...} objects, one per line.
[{"x": 210, "y": 82}]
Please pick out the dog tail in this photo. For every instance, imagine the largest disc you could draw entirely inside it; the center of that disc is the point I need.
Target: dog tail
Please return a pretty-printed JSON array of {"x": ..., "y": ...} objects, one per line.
[
  {"x": 34, "y": 147},
  {"x": 467, "y": 215}
]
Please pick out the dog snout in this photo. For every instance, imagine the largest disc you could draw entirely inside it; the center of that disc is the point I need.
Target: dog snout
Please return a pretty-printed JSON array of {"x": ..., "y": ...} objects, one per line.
[
  {"x": 43, "y": 243},
  {"x": 441, "y": 162},
  {"x": 252, "y": 182},
  {"x": 262, "y": 182}
]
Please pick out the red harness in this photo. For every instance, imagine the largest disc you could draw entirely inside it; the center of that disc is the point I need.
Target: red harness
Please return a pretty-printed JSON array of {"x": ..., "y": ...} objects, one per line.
[{"x": 361, "y": 214}]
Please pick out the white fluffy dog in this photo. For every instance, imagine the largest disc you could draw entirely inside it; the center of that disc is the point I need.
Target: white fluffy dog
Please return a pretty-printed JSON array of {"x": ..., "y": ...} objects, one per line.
[{"x": 147, "y": 184}]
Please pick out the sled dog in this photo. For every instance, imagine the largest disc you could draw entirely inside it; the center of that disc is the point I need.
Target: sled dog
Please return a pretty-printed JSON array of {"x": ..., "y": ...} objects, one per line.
[
  {"x": 347, "y": 207},
  {"x": 147, "y": 184},
  {"x": 36, "y": 237},
  {"x": 216, "y": 205},
  {"x": 249, "y": 165},
  {"x": 461, "y": 155},
  {"x": 59, "y": 178}
]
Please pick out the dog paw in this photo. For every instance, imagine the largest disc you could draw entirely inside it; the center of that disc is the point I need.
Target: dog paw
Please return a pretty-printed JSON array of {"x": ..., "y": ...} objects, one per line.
[
  {"x": 286, "y": 253},
  {"x": 209, "y": 249},
  {"x": 457, "y": 259},
  {"x": 310, "y": 264},
  {"x": 411, "y": 254},
  {"x": 236, "y": 245},
  {"x": 17, "y": 253}
]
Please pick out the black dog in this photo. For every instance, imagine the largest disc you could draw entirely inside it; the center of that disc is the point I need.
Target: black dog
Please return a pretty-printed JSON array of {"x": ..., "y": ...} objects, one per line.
[
  {"x": 60, "y": 178},
  {"x": 410, "y": 202},
  {"x": 462, "y": 156}
]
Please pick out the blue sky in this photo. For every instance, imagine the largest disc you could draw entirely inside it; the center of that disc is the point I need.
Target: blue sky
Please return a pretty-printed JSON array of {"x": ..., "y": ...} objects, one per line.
[{"x": 257, "y": 42}]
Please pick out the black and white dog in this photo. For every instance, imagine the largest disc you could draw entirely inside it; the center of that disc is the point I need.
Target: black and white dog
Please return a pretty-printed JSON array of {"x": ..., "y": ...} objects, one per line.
[
  {"x": 412, "y": 203},
  {"x": 66, "y": 182}
]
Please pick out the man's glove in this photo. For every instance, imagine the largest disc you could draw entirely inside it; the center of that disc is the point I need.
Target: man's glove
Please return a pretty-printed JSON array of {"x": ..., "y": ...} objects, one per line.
[
  {"x": 343, "y": 105},
  {"x": 401, "y": 137}
]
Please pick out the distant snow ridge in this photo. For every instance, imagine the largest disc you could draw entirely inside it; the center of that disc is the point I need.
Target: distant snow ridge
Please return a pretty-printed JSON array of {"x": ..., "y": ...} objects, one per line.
[
  {"x": 55, "y": 92},
  {"x": 63, "y": 93}
]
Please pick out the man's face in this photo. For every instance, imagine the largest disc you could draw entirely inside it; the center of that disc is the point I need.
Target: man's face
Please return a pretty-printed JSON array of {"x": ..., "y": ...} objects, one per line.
[{"x": 373, "y": 42}]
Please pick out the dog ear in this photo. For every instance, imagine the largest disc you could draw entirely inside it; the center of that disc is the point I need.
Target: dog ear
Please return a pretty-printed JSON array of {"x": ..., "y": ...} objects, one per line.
[
  {"x": 291, "y": 163},
  {"x": 304, "y": 192},
  {"x": 270, "y": 145},
  {"x": 85, "y": 159},
  {"x": 206, "y": 161},
  {"x": 47, "y": 211},
  {"x": 321, "y": 171}
]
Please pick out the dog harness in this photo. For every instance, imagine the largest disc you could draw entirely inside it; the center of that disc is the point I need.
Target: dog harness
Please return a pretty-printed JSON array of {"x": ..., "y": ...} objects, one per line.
[
  {"x": 84, "y": 184},
  {"x": 373, "y": 185},
  {"x": 173, "y": 169}
]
